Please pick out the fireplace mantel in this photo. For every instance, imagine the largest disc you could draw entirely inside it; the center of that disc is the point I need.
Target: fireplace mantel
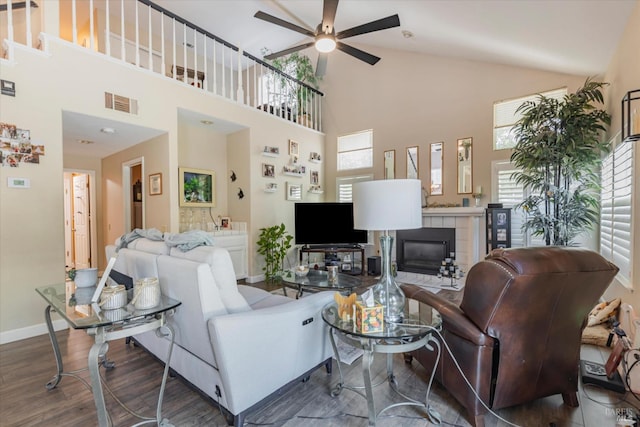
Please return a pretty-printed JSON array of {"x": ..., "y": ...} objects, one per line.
[
  {"x": 457, "y": 211},
  {"x": 468, "y": 222}
]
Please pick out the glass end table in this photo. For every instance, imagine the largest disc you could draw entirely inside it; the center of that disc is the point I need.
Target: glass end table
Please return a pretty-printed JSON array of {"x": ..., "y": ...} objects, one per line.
[
  {"x": 74, "y": 306},
  {"x": 317, "y": 280},
  {"x": 415, "y": 331}
]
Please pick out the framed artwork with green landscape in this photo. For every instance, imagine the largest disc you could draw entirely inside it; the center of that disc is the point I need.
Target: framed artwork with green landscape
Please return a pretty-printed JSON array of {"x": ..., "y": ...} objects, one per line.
[{"x": 197, "y": 188}]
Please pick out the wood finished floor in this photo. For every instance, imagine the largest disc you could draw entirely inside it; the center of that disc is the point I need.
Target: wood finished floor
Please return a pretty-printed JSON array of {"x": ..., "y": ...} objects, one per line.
[{"x": 27, "y": 365}]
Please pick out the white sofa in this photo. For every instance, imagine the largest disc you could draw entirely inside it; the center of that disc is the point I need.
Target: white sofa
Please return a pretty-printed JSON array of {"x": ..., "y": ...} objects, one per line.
[{"x": 238, "y": 344}]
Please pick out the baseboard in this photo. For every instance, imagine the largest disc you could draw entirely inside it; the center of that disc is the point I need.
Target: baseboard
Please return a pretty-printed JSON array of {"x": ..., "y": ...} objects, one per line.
[{"x": 31, "y": 331}]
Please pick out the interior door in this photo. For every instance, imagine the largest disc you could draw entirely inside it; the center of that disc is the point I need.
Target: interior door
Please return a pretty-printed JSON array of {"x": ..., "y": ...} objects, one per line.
[{"x": 81, "y": 221}]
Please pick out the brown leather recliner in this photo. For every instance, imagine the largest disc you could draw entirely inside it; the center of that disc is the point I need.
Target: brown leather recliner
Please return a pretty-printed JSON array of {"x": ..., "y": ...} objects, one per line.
[{"x": 517, "y": 331}]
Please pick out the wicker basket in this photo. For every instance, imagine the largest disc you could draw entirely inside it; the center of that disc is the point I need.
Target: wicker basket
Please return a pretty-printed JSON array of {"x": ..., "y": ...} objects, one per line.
[
  {"x": 113, "y": 297},
  {"x": 146, "y": 293}
]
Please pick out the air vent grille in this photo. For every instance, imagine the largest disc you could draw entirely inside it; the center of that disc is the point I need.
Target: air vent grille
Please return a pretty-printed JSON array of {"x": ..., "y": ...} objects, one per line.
[{"x": 120, "y": 103}]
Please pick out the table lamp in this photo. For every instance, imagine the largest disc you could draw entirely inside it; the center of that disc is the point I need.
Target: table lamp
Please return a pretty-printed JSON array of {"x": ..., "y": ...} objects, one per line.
[{"x": 392, "y": 204}]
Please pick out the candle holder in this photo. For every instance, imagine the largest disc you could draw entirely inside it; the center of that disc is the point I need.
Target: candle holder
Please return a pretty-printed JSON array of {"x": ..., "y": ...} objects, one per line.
[
  {"x": 477, "y": 196},
  {"x": 450, "y": 269}
]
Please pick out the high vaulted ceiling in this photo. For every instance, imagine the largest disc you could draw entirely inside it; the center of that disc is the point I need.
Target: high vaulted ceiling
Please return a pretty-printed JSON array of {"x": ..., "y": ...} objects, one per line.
[{"x": 569, "y": 36}]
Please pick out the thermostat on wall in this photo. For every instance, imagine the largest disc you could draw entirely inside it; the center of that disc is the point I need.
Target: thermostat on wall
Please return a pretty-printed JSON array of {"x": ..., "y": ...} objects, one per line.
[{"x": 19, "y": 182}]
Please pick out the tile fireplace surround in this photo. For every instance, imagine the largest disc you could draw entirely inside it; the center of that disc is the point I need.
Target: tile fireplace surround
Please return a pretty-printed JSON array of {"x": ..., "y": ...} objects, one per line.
[{"x": 468, "y": 223}]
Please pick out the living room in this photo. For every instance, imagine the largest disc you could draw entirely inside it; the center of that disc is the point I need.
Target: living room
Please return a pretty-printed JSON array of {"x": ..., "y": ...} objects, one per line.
[{"x": 436, "y": 99}]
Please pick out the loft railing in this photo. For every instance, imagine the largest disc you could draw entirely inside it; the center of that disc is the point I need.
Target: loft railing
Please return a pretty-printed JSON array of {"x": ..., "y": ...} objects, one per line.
[{"x": 153, "y": 38}]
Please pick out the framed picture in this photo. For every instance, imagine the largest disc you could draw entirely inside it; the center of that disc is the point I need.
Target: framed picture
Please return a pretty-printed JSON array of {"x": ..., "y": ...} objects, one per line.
[
  {"x": 501, "y": 234},
  {"x": 315, "y": 177},
  {"x": 155, "y": 184},
  {"x": 225, "y": 223},
  {"x": 390, "y": 164},
  {"x": 268, "y": 171},
  {"x": 501, "y": 218},
  {"x": 294, "y": 191},
  {"x": 294, "y": 148},
  {"x": 271, "y": 150},
  {"x": 197, "y": 188},
  {"x": 412, "y": 163}
]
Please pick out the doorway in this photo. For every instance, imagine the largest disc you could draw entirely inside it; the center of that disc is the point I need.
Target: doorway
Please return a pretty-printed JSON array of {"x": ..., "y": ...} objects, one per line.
[
  {"x": 133, "y": 193},
  {"x": 79, "y": 224}
]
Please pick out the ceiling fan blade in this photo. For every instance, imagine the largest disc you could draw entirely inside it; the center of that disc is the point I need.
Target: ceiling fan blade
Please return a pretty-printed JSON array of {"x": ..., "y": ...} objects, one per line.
[
  {"x": 288, "y": 51},
  {"x": 380, "y": 24},
  {"x": 329, "y": 15},
  {"x": 357, "y": 53},
  {"x": 283, "y": 23},
  {"x": 321, "y": 66}
]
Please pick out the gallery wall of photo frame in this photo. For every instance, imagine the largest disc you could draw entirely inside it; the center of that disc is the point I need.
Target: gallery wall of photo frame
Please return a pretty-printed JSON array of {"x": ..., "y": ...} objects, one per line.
[
  {"x": 293, "y": 167},
  {"x": 16, "y": 146}
]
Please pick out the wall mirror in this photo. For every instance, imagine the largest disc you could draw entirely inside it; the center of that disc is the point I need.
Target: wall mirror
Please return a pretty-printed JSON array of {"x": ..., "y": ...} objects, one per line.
[
  {"x": 465, "y": 166},
  {"x": 412, "y": 163},
  {"x": 437, "y": 149},
  {"x": 390, "y": 164}
]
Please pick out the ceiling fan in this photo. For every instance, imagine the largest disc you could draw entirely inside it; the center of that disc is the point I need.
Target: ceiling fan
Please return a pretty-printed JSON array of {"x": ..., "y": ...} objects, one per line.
[{"x": 326, "y": 39}]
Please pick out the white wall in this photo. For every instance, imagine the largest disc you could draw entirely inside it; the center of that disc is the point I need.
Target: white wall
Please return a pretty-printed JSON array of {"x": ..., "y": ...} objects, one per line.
[
  {"x": 70, "y": 78},
  {"x": 624, "y": 75},
  {"x": 411, "y": 99}
]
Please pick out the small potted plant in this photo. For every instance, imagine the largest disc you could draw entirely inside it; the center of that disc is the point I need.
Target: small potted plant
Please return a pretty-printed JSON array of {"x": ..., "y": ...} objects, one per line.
[{"x": 273, "y": 243}]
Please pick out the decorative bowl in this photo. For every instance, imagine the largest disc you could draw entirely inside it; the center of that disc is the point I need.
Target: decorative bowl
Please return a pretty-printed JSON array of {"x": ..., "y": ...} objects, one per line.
[
  {"x": 301, "y": 270},
  {"x": 86, "y": 277}
]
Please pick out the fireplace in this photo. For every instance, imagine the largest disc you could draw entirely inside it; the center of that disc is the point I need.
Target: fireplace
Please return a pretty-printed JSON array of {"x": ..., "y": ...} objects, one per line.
[{"x": 423, "y": 249}]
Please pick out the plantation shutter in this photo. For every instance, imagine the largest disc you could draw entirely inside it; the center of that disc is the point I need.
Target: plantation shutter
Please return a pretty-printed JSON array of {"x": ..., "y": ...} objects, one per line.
[
  {"x": 616, "y": 208},
  {"x": 508, "y": 192},
  {"x": 344, "y": 186}
]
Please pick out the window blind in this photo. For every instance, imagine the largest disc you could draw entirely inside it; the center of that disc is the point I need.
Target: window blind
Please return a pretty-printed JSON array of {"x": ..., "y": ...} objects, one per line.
[
  {"x": 616, "y": 209},
  {"x": 505, "y": 116},
  {"x": 355, "y": 150}
]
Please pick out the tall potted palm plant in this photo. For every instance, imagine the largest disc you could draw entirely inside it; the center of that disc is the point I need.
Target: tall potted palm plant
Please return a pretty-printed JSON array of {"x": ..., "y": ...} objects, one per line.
[{"x": 559, "y": 148}]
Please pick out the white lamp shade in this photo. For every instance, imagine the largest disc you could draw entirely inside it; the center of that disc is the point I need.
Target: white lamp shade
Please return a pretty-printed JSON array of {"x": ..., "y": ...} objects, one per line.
[{"x": 391, "y": 204}]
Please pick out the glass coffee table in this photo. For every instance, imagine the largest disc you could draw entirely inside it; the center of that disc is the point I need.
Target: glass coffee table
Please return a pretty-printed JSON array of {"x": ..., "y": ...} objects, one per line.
[
  {"x": 74, "y": 306},
  {"x": 415, "y": 331},
  {"x": 317, "y": 280}
]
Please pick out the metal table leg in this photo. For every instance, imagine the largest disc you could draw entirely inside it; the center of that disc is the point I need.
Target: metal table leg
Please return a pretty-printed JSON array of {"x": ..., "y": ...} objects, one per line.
[
  {"x": 367, "y": 359},
  {"x": 97, "y": 350},
  {"x": 56, "y": 350}
]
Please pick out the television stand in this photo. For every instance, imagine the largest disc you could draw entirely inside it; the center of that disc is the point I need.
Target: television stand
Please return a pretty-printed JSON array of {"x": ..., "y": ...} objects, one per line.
[{"x": 348, "y": 258}]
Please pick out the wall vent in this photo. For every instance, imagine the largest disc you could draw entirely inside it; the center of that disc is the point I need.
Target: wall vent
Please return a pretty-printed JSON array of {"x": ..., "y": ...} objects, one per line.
[{"x": 120, "y": 103}]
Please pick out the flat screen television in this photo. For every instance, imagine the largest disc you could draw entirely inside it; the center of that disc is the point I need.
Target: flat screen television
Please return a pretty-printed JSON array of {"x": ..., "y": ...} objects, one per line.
[{"x": 328, "y": 223}]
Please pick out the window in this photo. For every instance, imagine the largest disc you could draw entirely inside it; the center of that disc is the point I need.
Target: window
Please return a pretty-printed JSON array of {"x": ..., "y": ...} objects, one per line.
[
  {"x": 505, "y": 116},
  {"x": 616, "y": 209},
  {"x": 510, "y": 193},
  {"x": 344, "y": 186},
  {"x": 355, "y": 151}
]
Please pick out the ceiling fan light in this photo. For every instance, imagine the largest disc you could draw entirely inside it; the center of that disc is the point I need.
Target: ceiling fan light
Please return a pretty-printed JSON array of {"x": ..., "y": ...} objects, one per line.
[{"x": 325, "y": 43}]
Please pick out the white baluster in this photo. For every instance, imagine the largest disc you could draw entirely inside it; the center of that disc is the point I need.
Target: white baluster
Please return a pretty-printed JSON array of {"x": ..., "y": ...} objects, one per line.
[
  {"x": 28, "y": 11},
  {"x": 184, "y": 53},
  {"x": 240, "y": 92},
  {"x": 107, "y": 30},
  {"x": 196, "y": 82},
  {"x": 91, "y": 24},
  {"x": 174, "y": 70},
  {"x": 215, "y": 80},
  {"x": 150, "y": 41},
  {"x": 137, "y": 27},
  {"x": 123, "y": 56},
  {"x": 205, "y": 84},
  {"x": 73, "y": 24}
]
